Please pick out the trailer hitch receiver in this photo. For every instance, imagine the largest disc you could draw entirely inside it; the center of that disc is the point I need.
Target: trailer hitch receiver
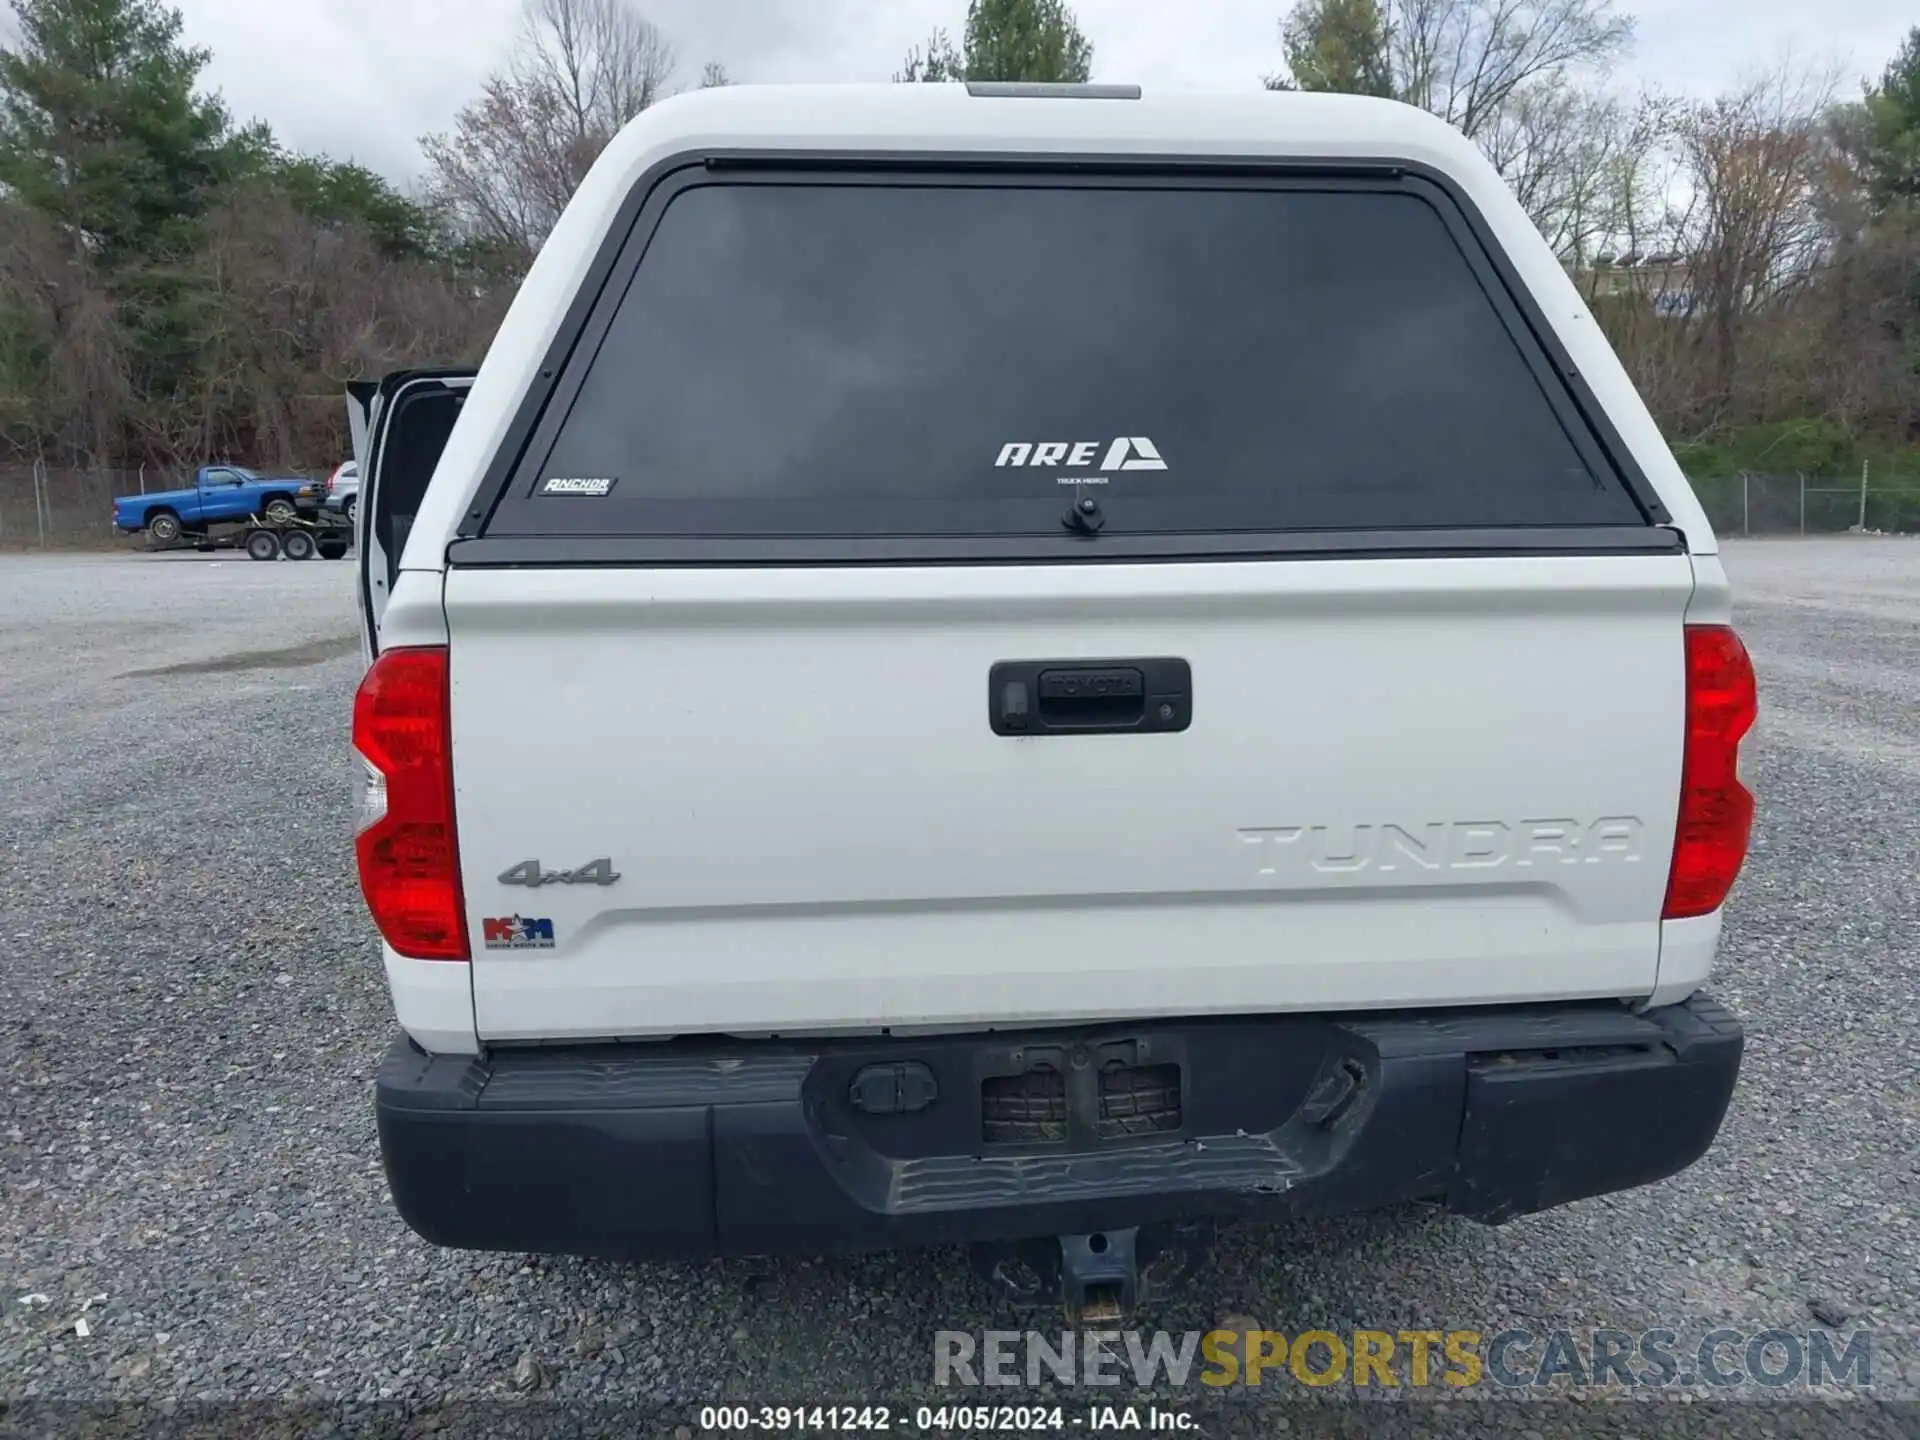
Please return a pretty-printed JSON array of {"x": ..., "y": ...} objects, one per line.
[{"x": 1100, "y": 1277}]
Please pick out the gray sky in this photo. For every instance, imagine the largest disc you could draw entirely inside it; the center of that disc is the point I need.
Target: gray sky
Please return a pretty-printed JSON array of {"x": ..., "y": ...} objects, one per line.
[{"x": 363, "y": 79}]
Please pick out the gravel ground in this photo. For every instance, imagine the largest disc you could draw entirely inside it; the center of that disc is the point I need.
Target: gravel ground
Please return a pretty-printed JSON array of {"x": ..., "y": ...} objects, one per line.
[{"x": 191, "y": 1010}]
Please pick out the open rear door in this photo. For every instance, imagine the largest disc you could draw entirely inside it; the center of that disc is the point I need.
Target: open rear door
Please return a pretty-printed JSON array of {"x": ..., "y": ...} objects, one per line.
[
  {"x": 400, "y": 425},
  {"x": 361, "y": 395}
]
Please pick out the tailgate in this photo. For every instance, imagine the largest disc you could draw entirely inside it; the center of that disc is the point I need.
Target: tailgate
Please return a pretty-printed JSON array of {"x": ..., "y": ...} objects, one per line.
[{"x": 1405, "y": 782}]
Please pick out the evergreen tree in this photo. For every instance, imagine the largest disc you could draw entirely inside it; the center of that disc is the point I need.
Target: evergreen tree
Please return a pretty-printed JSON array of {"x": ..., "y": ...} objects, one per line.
[
  {"x": 1037, "y": 41},
  {"x": 1893, "y": 155},
  {"x": 103, "y": 131},
  {"x": 1339, "y": 45},
  {"x": 336, "y": 193}
]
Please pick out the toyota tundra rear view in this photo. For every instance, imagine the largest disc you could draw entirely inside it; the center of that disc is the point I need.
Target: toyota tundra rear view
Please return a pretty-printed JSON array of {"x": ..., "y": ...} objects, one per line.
[{"x": 1037, "y": 667}]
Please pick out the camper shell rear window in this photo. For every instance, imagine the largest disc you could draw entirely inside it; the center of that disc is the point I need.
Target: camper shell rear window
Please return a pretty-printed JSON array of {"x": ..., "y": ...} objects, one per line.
[{"x": 850, "y": 357}]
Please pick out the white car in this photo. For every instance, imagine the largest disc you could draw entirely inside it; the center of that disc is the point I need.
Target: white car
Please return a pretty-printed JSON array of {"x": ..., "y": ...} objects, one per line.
[
  {"x": 342, "y": 489},
  {"x": 1037, "y": 666}
]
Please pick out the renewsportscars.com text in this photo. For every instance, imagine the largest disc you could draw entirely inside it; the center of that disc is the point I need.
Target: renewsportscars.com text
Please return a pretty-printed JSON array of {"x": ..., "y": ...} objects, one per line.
[{"x": 1381, "y": 1359}]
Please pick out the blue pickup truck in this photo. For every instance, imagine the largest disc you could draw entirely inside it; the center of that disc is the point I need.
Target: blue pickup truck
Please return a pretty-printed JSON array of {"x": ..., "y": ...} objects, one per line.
[{"x": 221, "y": 494}]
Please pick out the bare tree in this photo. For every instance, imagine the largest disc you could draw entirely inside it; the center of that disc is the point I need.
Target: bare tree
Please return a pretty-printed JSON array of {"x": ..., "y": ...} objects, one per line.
[
  {"x": 581, "y": 70},
  {"x": 66, "y": 373},
  {"x": 1513, "y": 75},
  {"x": 1552, "y": 142},
  {"x": 713, "y": 75},
  {"x": 284, "y": 309},
  {"x": 506, "y": 171},
  {"x": 1752, "y": 230},
  {"x": 291, "y": 309},
  {"x": 603, "y": 60},
  {"x": 1589, "y": 166},
  {"x": 1465, "y": 60}
]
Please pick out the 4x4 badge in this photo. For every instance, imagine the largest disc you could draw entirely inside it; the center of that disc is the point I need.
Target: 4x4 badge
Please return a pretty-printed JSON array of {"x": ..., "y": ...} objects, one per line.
[{"x": 529, "y": 872}]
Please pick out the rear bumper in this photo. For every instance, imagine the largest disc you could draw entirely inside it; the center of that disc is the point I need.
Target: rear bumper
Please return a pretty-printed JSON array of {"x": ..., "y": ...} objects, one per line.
[{"x": 751, "y": 1148}]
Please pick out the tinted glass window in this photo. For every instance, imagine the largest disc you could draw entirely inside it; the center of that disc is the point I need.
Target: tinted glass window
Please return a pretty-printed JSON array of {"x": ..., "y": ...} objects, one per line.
[
  {"x": 418, "y": 430},
  {"x": 843, "y": 359}
]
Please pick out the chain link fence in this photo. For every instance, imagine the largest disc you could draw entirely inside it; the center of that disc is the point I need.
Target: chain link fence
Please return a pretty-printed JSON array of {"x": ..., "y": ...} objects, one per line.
[
  {"x": 52, "y": 509},
  {"x": 63, "y": 508},
  {"x": 47, "y": 508},
  {"x": 1808, "y": 505}
]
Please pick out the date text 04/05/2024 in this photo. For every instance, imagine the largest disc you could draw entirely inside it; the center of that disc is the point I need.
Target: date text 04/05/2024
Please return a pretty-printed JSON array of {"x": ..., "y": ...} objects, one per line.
[{"x": 939, "y": 1419}]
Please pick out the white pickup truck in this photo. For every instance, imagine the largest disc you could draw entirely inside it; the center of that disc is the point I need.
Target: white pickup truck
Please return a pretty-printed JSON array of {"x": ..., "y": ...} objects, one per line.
[{"x": 1035, "y": 666}]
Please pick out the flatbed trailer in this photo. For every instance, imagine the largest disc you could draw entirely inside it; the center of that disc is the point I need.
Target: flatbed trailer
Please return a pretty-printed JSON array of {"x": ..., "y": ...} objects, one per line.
[{"x": 327, "y": 536}]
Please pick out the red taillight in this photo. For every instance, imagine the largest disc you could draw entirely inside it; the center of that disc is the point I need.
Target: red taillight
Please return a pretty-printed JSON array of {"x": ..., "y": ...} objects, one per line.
[
  {"x": 1716, "y": 810},
  {"x": 408, "y": 852}
]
